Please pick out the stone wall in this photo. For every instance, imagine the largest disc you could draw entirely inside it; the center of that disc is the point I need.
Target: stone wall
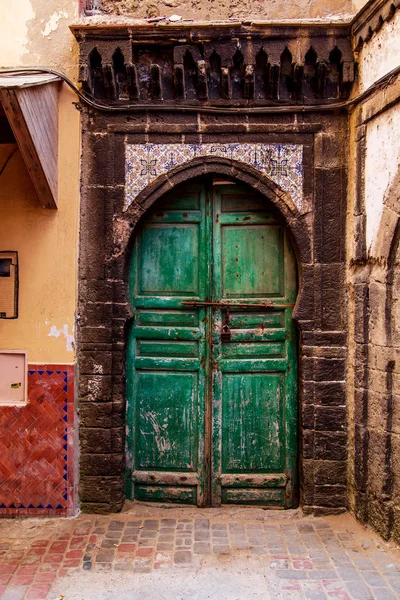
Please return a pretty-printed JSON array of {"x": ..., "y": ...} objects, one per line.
[
  {"x": 374, "y": 369},
  {"x": 317, "y": 228}
]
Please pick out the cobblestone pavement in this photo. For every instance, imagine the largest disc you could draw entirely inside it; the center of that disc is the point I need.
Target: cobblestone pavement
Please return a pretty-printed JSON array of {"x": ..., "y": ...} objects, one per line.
[{"x": 296, "y": 557}]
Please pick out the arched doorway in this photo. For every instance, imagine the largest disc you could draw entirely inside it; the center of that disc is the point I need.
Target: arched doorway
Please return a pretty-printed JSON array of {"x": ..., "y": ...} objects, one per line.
[{"x": 212, "y": 353}]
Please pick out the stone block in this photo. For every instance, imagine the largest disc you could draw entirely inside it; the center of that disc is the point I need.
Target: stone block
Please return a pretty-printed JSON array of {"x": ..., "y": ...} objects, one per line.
[
  {"x": 308, "y": 444},
  {"x": 333, "y": 496},
  {"x": 102, "y": 464},
  {"x": 95, "y": 335},
  {"x": 380, "y": 517},
  {"x": 330, "y": 393},
  {"x": 330, "y": 472},
  {"x": 307, "y": 419},
  {"x": 118, "y": 439},
  {"x": 331, "y": 296},
  {"x": 328, "y": 151},
  {"x": 97, "y": 314},
  {"x": 330, "y": 418},
  {"x": 329, "y": 369},
  {"x": 307, "y": 482},
  {"x": 329, "y": 445},
  {"x": 95, "y": 440},
  {"x": 361, "y": 440},
  {"x": 95, "y": 363},
  {"x": 396, "y": 522},
  {"x": 329, "y": 220},
  {"x": 95, "y": 388},
  {"x": 101, "y": 489},
  {"x": 98, "y": 166},
  {"x": 96, "y": 414}
]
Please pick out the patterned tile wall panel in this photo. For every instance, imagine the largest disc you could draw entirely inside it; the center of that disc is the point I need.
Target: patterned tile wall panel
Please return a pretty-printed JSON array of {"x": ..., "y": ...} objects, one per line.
[
  {"x": 283, "y": 163},
  {"x": 36, "y": 459}
]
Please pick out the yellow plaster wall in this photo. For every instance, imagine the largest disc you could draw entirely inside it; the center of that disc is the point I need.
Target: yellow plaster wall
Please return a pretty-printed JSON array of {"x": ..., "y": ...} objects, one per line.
[{"x": 33, "y": 33}]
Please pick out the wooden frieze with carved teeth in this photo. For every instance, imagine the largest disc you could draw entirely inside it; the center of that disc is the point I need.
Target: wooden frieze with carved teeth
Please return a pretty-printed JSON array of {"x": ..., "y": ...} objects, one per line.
[{"x": 238, "y": 65}]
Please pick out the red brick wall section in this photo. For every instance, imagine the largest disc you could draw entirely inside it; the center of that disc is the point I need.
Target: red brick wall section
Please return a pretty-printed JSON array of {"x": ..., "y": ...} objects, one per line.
[{"x": 36, "y": 448}]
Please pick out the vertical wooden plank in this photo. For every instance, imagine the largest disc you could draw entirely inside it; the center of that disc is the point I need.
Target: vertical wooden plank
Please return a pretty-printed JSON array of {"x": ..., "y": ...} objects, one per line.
[
  {"x": 216, "y": 354},
  {"x": 291, "y": 287}
]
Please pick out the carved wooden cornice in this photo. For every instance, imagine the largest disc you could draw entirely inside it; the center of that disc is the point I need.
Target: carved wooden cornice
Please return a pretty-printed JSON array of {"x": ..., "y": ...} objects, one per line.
[
  {"x": 370, "y": 19},
  {"x": 227, "y": 63}
]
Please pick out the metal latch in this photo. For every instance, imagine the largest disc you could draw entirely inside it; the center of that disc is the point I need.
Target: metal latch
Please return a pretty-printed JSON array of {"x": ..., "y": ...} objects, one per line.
[{"x": 225, "y": 331}]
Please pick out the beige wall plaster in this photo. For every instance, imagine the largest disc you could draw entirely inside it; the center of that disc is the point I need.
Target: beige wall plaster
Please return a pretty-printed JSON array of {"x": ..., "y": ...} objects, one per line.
[
  {"x": 14, "y": 32},
  {"x": 36, "y": 33},
  {"x": 381, "y": 164},
  {"x": 381, "y": 54}
]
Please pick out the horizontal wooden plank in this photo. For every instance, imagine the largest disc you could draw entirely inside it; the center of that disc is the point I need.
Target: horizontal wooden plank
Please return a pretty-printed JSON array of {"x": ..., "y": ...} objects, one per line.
[
  {"x": 254, "y": 350},
  {"x": 167, "y": 348},
  {"x": 167, "y": 318},
  {"x": 252, "y": 365},
  {"x": 167, "y": 333},
  {"x": 256, "y": 319},
  {"x": 260, "y": 480},
  {"x": 162, "y": 302},
  {"x": 177, "y": 495},
  {"x": 165, "y": 478},
  {"x": 173, "y": 364},
  {"x": 239, "y": 218},
  {"x": 261, "y": 497},
  {"x": 176, "y": 216},
  {"x": 254, "y": 335}
]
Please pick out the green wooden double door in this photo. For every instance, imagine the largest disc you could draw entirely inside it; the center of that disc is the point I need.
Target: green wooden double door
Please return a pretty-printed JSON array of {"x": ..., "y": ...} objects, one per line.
[{"x": 211, "y": 361}]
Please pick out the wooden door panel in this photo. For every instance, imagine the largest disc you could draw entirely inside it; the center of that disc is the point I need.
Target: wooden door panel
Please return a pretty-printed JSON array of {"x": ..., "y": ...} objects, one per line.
[
  {"x": 166, "y": 433},
  {"x": 251, "y": 261},
  {"x": 169, "y": 260},
  {"x": 166, "y": 363},
  {"x": 254, "y": 375},
  {"x": 252, "y": 422}
]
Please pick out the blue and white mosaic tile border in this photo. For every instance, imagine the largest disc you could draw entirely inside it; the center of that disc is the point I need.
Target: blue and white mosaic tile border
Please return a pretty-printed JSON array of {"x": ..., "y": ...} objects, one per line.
[{"x": 283, "y": 163}]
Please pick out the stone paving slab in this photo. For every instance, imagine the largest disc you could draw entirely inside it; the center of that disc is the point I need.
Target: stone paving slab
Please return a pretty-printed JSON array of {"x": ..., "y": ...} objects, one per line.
[{"x": 297, "y": 557}]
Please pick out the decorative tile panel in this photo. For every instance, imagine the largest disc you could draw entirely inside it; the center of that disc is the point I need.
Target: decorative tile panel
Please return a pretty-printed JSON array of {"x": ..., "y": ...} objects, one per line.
[
  {"x": 36, "y": 459},
  {"x": 283, "y": 163}
]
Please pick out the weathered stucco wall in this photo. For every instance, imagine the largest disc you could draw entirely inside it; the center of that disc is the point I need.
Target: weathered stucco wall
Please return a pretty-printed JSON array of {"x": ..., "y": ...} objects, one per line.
[
  {"x": 373, "y": 255},
  {"x": 381, "y": 165},
  {"x": 46, "y": 241},
  {"x": 377, "y": 58},
  {"x": 34, "y": 33},
  {"x": 381, "y": 54},
  {"x": 208, "y": 10}
]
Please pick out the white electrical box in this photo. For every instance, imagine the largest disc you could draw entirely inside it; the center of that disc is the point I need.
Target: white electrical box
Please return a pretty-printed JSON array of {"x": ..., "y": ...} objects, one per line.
[
  {"x": 13, "y": 378},
  {"x": 8, "y": 285}
]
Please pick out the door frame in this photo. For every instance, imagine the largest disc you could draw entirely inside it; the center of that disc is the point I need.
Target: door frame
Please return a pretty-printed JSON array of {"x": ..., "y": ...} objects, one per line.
[{"x": 107, "y": 232}]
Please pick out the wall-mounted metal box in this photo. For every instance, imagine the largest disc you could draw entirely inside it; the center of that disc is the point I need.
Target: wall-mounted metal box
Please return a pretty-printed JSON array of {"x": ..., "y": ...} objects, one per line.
[
  {"x": 13, "y": 377},
  {"x": 8, "y": 285}
]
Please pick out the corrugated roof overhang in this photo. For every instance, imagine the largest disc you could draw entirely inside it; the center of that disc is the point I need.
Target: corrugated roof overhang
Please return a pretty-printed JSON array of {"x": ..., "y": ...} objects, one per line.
[{"x": 30, "y": 103}]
